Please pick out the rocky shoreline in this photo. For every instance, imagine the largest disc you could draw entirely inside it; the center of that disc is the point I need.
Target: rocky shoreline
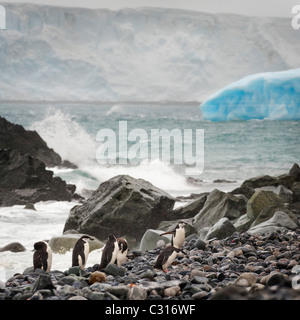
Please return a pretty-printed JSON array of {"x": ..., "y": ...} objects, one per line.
[
  {"x": 242, "y": 266},
  {"x": 242, "y": 244}
]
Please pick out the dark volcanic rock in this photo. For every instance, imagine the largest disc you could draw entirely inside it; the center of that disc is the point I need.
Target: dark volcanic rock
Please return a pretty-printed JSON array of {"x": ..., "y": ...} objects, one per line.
[
  {"x": 123, "y": 204},
  {"x": 24, "y": 179},
  {"x": 14, "y": 136}
]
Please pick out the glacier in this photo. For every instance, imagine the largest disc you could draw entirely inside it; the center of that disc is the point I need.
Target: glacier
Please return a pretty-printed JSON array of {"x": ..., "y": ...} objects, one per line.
[
  {"x": 50, "y": 53},
  {"x": 270, "y": 95}
]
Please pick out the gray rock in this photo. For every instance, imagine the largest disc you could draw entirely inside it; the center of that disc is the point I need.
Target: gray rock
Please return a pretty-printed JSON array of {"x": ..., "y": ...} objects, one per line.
[
  {"x": 137, "y": 293},
  {"x": 43, "y": 282},
  {"x": 266, "y": 180},
  {"x": 151, "y": 237},
  {"x": 24, "y": 179},
  {"x": 284, "y": 193},
  {"x": 14, "y": 136},
  {"x": 63, "y": 243},
  {"x": 222, "y": 229},
  {"x": 199, "y": 244},
  {"x": 96, "y": 296},
  {"x": 13, "y": 247},
  {"x": 115, "y": 270},
  {"x": 77, "y": 298},
  {"x": 68, "y": 280},
  {"x": 295, "y": 172},
  {"x": 120, "y": 291},
  {"x": 128, "y": 206},
  {"x": 243, "y": 223},
  {"x": 246, "y": 279},
  {"x": 219, "y": 205},
  {"x": 279, "y": 221},
  {"x": 296, "y": 192},
  {"x": 260, "y": 200},
  {"x": 189, "y": 210},
  {"x": 30, "y": 206}
]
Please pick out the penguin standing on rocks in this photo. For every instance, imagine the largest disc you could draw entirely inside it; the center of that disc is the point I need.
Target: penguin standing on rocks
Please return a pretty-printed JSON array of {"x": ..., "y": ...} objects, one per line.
[
  {"x": 122, "y": 253},
  {"x": 178, "y": 235},
  {"x": 110, "y": 252},
  {"x": 42, "y": 257},
  {"x": 81, "y": 251},
  {"x": 166, "y": 257}
]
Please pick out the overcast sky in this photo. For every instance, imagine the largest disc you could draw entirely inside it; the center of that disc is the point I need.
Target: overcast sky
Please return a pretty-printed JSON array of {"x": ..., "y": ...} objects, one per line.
[{"x": 273, "y": 8}]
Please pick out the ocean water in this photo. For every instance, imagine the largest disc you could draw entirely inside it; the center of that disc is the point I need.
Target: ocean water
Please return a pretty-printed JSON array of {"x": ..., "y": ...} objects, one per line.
[{"x": 233, "y": 151}]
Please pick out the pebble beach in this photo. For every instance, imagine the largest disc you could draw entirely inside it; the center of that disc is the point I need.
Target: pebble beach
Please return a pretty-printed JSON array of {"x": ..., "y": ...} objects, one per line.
[{"x": 242, "y": 266}]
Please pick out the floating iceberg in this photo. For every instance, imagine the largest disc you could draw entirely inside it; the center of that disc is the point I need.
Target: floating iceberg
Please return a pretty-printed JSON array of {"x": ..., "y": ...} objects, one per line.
[{"x": 271, "y": 95}]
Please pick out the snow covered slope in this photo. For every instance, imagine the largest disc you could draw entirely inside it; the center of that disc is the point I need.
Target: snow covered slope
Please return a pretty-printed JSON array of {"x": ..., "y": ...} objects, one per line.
[
  {"x": 55, "y": 53},
  {"x": 272, "y": 95}
]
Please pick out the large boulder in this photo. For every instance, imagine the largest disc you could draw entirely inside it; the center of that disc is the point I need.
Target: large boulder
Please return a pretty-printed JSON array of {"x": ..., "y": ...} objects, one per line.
[
  {"x": 189, "y": 210},
  {"x": 220, "y": 230},
  {"x": 14, "y": 136},
  {"x": 219, "y": 205},
  {"x": 24, "y": 179},
  {"x": 279, "y": 221},
  {"x": 260, "y": 200},
  {"x": 122, "y": 206},
  {"x": 266, "y": 180}
]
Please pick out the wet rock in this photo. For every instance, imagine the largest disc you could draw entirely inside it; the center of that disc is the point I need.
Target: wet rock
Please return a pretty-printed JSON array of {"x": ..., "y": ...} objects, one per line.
[
  {"x": 279, "y": 221},
  {"x": 115, "y": 270},
  {"x": 151, "y": 237},
  {"x": 222, "y": 229},
  {"x": 219, "y": 205},
  {"x": 30, "y": 206},
  {"x": 24, "y": 179},
  {"x": 14, "y": 136},
  {"x": 189, "y": 210},
  {"x": 110, "y": 204},
  {"x": 13, "y": 247},
  {"x": 43, "y": 282},
  {"x": 260, "y": 200}
]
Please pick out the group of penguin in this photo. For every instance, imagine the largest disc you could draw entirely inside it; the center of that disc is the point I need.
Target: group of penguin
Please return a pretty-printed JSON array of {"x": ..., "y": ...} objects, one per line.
[{"x": 114, "y": 251}]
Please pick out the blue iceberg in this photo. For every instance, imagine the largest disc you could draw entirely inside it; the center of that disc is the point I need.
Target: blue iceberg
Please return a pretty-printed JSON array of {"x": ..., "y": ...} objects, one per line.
[{"x": 271, "y": 95}]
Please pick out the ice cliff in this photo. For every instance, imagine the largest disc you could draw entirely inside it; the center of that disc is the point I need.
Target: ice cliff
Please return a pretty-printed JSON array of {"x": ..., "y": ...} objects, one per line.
[
  {"x": 56, "y": 53},
  {"x": 271, "y": 95}
]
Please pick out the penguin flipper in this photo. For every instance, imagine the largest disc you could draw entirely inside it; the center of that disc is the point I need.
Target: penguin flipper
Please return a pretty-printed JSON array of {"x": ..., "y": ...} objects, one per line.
[
  {"x": 37, "y": 261},
  {"x": 44, "y": 261}
]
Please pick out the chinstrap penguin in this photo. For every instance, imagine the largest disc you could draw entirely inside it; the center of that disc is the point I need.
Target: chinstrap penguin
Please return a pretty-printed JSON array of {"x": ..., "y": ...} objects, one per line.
[
  {"x": 166, "y": 257},
  {"x": 178, "y": 235},
  {"x": 42, "y": 257},
  {"x": 122, "y": 253},
  {"x": 81, "y": 251},
  {"x": 109, "y": 253}
]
